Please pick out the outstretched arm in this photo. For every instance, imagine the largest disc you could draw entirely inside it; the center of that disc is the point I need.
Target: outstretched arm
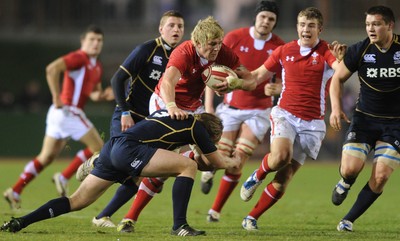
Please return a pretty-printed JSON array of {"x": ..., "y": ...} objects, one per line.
[{"x": 342, "y": 73}]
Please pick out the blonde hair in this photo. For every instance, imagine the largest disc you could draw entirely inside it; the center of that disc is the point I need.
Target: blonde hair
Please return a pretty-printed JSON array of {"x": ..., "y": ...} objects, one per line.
[{"x": 205, "y": 30}]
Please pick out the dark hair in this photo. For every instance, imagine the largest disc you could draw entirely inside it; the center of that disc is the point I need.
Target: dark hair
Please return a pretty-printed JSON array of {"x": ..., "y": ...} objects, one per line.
[
  {"x": 213, "y": 125},
  {"x": 386, "y": 12},
  {"x": 267, "y": 6},
  {"x": 92, "y": 29}
]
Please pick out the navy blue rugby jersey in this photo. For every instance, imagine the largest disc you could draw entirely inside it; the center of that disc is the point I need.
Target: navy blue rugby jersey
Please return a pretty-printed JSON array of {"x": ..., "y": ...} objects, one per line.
[
  {"x": 379, "y": 75},
  {"x": 145, "y": 64},
  {"x": 160, "y": 131}
]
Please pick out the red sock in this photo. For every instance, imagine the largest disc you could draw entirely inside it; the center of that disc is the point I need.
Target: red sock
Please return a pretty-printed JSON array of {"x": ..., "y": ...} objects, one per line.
[
  {"x": 226, "y": 187},
  {"x": 31, "y": 170},
  {"x": 264, "y": 169},
  {"x": 73, "y": 166},
  {"x": 147, "y": 189},
  {"x": 268, "y": 198}
]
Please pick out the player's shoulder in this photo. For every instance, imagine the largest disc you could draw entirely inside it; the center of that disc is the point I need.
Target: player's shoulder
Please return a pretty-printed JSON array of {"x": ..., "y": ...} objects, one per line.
[
  {"x": 238, "y": 37},
  {"x": 144, "y": 50},
  {"x": 185, "y": 48},
  {"x": 76, "y": 58},
  {"x": 77, "y": 54},
  {"x": 360, "y": 45},
  {"x": 289, "y": 46},
  {"x": 238, "y": 31},
  {"x": 147, "y": 46},
  {"x": 323, "y": 46},
  {"x": 277, "y": 40}
]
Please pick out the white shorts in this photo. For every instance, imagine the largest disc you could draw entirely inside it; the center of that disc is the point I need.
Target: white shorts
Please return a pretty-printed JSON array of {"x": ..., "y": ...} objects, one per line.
[
  {"x": 157, "y": 103},
  {"x": 66, "y": 122},
  {"x": 257, "y": 120},
  {"x": 306, "y": 136}
]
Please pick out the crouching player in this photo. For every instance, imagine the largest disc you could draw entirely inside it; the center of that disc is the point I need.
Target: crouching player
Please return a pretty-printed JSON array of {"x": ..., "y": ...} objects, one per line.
[{"x": 144, "y": 151}]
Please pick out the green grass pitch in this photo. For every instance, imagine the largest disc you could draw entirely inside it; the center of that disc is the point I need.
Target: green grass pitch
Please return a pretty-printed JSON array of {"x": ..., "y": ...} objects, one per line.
[{"x": 304, "y": 213}]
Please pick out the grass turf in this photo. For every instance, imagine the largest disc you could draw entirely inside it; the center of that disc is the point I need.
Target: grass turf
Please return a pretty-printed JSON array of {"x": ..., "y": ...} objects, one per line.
[{"x": 304, "y": 213}]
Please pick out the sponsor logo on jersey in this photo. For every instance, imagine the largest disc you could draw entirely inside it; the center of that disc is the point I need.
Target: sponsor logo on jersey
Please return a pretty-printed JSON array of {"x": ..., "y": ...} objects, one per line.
[
  {"x": 383, "y": 72},
  {"x": 136, "y": 163},
  {"x": 369, "y": 58},
  {"x": 396, "y": 57},
  {"x": 244, "y": 49},
  {"x": 290, "y": 58},
  {"x": 157, "y": 60},
  {"x": 155, "y": 74},
  {"x": 269, "y": 51}
]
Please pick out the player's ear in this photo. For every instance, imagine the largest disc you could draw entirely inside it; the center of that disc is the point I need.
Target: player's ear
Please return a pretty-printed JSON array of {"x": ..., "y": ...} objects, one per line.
[{"x": 391, "y": 25}]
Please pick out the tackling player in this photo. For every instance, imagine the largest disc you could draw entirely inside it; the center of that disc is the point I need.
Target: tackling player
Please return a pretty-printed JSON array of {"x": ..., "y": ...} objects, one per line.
[
  {"x": 143, "y": 69},
  {"x": 66, "y": 118},
  {"x": 144, "y": 150}
]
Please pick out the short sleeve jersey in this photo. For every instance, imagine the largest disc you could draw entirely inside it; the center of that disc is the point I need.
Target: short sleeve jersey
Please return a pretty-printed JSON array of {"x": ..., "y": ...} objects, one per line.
[
  {"x": 145, "y": 64},
  {"x": 82, "y": 75},
  {"x": 190, "y": 88},
  {"x": 379, "y": 75},
  {"x": 252, "y": 53},
  {"x": 306, "y": 74},
  {"x": 160, "y": 131}
]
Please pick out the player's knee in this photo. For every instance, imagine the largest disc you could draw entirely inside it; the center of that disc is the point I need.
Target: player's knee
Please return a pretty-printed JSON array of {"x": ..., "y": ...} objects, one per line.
[
  {"x": 192, "y": 165},
  {"x": 279, "y": 159},
  {"x": 189, "y": 168},
  {"x": 46, "y": 159}
]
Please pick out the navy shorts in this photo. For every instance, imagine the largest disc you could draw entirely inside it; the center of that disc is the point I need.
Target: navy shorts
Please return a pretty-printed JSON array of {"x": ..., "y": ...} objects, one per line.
[
  {"x": 121, "y": 158},
  {"x": 367, "y": 129}
]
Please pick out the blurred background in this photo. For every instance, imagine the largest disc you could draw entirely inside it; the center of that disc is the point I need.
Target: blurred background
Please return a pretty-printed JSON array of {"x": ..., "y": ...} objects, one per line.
[{"x": 35, "y": 32}]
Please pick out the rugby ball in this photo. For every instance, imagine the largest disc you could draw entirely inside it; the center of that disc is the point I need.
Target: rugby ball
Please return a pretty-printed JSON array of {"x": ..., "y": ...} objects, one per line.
[{"x": 209, "y": 74}]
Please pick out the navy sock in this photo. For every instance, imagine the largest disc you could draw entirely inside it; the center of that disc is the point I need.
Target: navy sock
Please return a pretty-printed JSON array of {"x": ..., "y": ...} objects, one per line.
[
  {"x": 51, "y": 209},
  {"x": 181, "y": 192},
  {"x": 364, "y": 200},
  {"x": 123, "y": 194}
]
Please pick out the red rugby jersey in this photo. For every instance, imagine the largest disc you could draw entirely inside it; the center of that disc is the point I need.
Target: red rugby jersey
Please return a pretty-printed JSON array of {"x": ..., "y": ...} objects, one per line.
[{"x": 82, "y": 75}]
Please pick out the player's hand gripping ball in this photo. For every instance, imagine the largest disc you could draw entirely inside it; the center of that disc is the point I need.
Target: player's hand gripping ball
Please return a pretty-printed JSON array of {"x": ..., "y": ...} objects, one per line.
[{"x": 212, "y": 71}]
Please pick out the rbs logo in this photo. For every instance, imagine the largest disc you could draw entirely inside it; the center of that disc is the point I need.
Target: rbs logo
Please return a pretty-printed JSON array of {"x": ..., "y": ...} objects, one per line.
[{"x": 383, "y": 72}]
